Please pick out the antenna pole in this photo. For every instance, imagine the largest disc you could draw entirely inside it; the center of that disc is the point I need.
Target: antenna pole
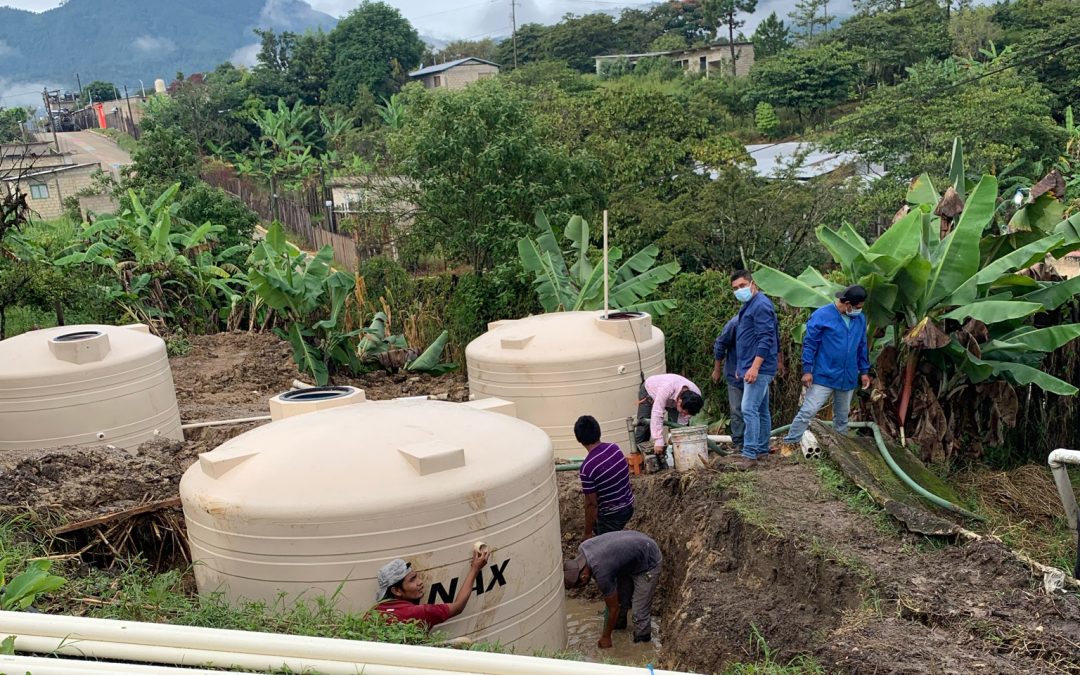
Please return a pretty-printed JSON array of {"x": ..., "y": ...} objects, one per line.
[
  {"x": 605, "y": 266},
  {"x": 513, "y": 35}
]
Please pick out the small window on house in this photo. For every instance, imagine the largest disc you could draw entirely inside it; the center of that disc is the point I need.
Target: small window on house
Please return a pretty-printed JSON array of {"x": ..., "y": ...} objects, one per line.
[
  {"x": 702, "y": 61},
  {"x": 436, "y": 81},
  {"x": 39, "y": 191}
]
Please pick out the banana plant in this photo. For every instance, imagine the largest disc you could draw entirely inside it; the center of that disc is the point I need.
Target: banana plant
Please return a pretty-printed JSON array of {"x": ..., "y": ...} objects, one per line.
[
  {"x": 393, "y": 352},
  {"x": 948, "y": 283},
  {"x": 311, "y": 297},
  {"x": 581, "y": 285},
  {"x": 164, "y": 268},
  {"x": 24, "y": 589}
]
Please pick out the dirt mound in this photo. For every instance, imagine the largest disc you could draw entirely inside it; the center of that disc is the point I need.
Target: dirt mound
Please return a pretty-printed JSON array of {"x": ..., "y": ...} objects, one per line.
[
  {"x": 230, "y": 375},
  {"x": 82, "y": 482},
  {"x": 229, "y": 369},
  {"x": 773, "y": 553}
]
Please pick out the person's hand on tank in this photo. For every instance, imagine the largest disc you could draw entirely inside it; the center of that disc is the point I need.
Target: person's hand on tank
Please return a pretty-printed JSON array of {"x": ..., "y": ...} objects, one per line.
[{"x": 480, "y": 559}]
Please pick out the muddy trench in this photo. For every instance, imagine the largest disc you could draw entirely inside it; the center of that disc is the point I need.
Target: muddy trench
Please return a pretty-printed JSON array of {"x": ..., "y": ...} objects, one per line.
[
  {"x": 767, "y": 566},
  {"x": 725, "y": 580}
]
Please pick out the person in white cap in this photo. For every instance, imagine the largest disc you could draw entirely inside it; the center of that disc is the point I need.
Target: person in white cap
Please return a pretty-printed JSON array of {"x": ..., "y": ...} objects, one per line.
[{"x": 401, "y": 589}]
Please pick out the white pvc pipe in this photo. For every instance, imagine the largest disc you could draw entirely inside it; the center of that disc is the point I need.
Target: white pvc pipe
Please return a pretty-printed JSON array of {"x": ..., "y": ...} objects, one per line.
[
  {"x": 39, "y": 665},
  {"x": 224, "y": 423},
  {"x": 166, "y": 643},
  {"x": 719, "y": 439},
  {"x": 1058, "y": 461}
]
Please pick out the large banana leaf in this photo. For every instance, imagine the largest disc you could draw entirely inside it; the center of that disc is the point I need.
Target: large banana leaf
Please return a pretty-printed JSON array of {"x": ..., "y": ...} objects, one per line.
[
  {"x": 1018, "y": 259},
  {"x": 902, "y": 240},
  {"x": 956, "y": 168},
  {"x": 307, "y": 357},
  {"x": 994, "y": 311},
  {"x": 921, "y": 191},
  {"x": 794, "y": 291},
  {"x": 1053, "y": 295},
  {"x": 843, "y": 251},
  {"x": 1040, "y": 215},
  {"x": 637, "y": 263},
  {"x": 652, "y": 307},
  {"x": 957, "y": 258},
  {"x": 577, "y": 231},
  {"x": 429, "y": 360},
  {"x": 637, "y": 288},
  {"x": 1021, "y": 374},
  {"x": 1039, "y": 340},
  {"x": 880, "y": 304}
]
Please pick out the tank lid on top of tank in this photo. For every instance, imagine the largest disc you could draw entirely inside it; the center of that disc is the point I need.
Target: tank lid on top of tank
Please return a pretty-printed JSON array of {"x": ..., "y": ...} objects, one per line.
[{"x": 52, "y": 355}]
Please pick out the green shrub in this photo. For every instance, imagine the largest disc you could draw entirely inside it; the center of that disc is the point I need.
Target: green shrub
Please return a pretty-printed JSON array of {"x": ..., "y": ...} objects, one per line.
[
  {"x": 202, "y": 203},
  {"x": 384, "y": 277}
]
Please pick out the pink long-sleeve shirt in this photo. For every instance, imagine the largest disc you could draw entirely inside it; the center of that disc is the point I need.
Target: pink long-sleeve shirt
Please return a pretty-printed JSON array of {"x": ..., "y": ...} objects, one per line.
[{"x": 664, "y": 389}]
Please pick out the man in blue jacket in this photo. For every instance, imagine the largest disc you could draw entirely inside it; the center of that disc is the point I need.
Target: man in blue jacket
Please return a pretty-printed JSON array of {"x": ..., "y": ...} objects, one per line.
[
  {"x": 724, "y": 361},
  {"x": 756, "y": 351},
  {"x": 835, "y": 360}
]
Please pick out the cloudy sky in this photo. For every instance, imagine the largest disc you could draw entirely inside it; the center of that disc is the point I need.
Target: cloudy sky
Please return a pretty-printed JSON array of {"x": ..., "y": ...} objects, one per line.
[{"x": 483, "y": 18}]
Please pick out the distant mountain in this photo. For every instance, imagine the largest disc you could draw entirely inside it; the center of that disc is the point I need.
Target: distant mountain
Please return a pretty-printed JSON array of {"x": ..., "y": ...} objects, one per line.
[{"x": 124, "y": 41}]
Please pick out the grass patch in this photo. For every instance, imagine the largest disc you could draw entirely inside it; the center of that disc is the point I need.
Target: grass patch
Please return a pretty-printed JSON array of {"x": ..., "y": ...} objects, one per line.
[
  {"x": 766, "y": 662},
  {"x": 1023, "y": 509},
  {"x": 125, "y": 141},
  {"x": 132, "y": 591},
  {"x": 836, "y": 484},
  {"x": 747, "y": 501}
]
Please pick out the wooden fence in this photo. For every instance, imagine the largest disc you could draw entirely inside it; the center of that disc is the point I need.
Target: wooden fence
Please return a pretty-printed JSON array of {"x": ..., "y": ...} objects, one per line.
[{"x": 293, "y": 215}]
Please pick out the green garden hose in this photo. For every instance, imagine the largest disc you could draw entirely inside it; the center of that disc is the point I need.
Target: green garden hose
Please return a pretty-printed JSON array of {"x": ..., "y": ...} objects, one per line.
[{"x": 907, "y": 480}]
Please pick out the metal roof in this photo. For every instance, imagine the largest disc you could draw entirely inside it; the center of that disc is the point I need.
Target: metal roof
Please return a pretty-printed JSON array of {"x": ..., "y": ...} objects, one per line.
[
  {"x": 773, "y": 158},
  {"x": 46, "y": 171},
  {"x": 448, "y": 65}
]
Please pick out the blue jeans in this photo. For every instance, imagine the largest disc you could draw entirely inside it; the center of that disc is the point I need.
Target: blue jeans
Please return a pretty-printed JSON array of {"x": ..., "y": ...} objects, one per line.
[
  {"x": 755, "y": 411},
  {"x": 814, "y": 400},
  {"x": 734, "y": 399}
]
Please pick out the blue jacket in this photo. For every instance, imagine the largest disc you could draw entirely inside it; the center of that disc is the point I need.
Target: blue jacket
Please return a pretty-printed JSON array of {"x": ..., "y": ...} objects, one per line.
[
  {"x": 757, "y": 336},
  {"x": 834, "y": 351},
  {"x": 724, "y": 350}
]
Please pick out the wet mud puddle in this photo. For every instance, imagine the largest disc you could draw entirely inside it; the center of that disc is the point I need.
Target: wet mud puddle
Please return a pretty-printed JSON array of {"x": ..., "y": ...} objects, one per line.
[{"x": 585, "y": 622}]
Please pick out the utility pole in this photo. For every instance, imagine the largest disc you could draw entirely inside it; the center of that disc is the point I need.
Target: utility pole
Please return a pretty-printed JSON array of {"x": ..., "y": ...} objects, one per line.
[
  {"x": 79, "y": 83},
  {"x": 513, "y": 34},
  {"x": 52, "y": 120},
  {"x": 131, "y": 118}
]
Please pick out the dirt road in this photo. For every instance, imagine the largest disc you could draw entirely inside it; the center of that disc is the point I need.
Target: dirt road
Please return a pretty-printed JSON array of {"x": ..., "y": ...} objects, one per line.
[{"x": 87, "y": 146}]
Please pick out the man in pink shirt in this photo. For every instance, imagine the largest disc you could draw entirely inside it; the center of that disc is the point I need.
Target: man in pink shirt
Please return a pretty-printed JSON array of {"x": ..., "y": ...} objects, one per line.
[{"x": 667, "y": 396}]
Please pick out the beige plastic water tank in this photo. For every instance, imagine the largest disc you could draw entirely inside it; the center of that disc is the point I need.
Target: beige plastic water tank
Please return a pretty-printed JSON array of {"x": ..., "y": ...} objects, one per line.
[
  {"x": 557, "y": 367},
  {"x": 86, "y": 385},
  {"x": 319, "y": 502}
]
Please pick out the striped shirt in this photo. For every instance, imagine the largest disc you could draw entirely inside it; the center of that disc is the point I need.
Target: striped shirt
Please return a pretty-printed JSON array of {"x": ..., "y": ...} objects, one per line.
[{"x": 606, "y": 473}]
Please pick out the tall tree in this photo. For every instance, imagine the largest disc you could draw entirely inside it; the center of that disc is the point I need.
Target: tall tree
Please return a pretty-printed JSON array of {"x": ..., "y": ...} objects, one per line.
[
  {"x": 807, "y": 15},
  {"x": 11, "y": 120},
  {"x": 806, "y": 80},
  {"x": 728, "y": 12},
  {"x": 771, "y": 37},
  {"x": 460, "y": 49},
  {"x": 367, "y": 44},
  {"x": 98, "y": 91}
]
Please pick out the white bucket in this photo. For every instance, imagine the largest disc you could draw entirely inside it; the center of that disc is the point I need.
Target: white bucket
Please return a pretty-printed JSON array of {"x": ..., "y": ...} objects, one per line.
[{"x": 690, "y": 447}]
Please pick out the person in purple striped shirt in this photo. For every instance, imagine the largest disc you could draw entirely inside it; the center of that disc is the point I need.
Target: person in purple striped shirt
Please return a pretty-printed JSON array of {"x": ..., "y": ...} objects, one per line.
[{"x": 605, "y": 481}]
